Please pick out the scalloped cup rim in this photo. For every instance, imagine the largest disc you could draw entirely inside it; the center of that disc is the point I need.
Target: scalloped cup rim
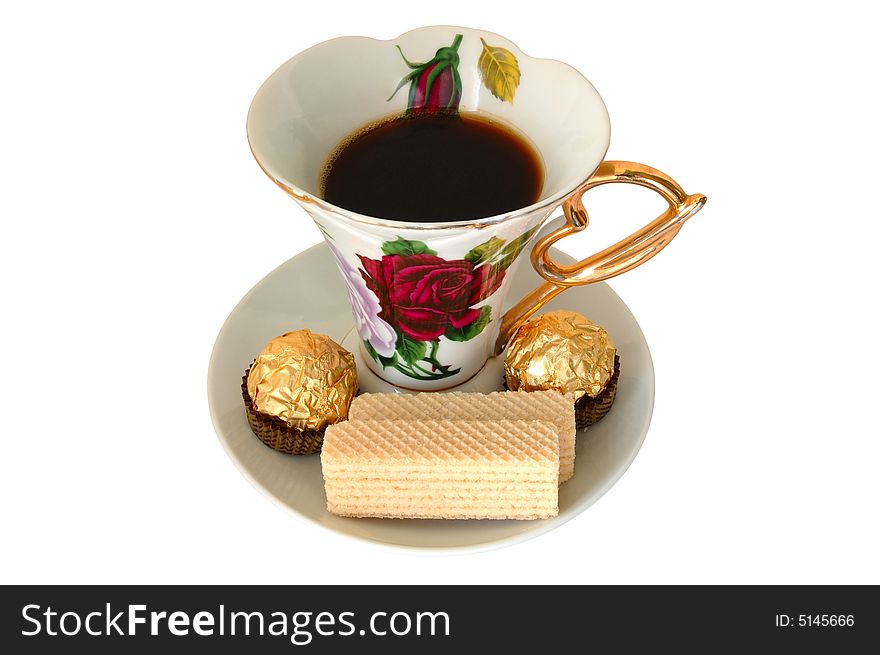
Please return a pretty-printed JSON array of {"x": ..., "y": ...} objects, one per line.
[{"x": 552, "y": 200}]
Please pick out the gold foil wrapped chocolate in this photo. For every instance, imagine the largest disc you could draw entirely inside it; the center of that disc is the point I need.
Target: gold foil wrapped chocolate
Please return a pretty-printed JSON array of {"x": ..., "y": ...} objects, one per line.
[
  {"x": 305, "y": 379},
  {"x": 562, "y": 351}
]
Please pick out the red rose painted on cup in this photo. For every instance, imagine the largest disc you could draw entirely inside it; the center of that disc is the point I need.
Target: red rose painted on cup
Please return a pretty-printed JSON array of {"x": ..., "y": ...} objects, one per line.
[{"x": 425, "y": 297}]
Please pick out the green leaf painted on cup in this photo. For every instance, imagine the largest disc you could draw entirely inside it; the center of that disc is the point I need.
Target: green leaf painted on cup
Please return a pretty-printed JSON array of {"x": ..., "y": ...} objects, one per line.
[
  {"x": 512, "y": 250},
  {"x": 410, "y": 351},
  {"x": 371, "y": 351},
  {"x": 485, "y": 251},
  {"x": 470, "y": 331},
  {"x": 381, "y": 359},
  {"x": 401, "y": 246}
]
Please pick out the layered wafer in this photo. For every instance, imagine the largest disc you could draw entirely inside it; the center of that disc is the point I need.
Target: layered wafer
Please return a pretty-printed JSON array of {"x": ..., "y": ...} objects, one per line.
[
  {"x": 549, "y": 406},
  {"x": 442, "y": 469}
]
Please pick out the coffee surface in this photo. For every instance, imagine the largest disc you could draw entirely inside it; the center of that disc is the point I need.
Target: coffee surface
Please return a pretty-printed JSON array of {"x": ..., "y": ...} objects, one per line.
[{"x": 434, "y": 168}]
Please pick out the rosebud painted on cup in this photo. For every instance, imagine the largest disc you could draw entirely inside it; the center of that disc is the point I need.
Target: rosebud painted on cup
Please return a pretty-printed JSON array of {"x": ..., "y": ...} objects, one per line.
[{"x": 435, "y": 85}]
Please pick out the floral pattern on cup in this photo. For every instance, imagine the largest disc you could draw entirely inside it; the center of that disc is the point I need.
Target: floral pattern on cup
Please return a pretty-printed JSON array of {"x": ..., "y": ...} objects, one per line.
[
  {"x": 365, "y": 308},
  {"x": 435, "y": 85},
  {"x": 424, "y": 297}
]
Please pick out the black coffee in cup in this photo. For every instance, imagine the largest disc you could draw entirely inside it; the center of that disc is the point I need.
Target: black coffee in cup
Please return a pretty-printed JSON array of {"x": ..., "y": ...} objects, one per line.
[{"x": 433, "y": 168}]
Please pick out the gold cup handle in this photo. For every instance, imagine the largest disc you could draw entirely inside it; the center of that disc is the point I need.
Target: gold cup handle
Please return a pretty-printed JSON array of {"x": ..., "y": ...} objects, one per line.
[{"x": 623, "y": 256}]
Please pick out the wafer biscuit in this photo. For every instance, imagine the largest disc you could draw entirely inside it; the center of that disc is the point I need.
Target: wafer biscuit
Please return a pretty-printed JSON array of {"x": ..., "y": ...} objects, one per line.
[
  {"x": 548, "y": 406},
  {"x": 442, "y": 469}
]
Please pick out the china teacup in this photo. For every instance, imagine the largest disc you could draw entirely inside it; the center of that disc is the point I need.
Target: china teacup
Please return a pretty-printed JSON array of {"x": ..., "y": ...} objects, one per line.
[{"x": 427, "y": 298}]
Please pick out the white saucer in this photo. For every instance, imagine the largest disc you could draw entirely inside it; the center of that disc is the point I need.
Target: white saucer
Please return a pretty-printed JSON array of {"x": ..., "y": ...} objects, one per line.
[{"x": 307, "y": 291}]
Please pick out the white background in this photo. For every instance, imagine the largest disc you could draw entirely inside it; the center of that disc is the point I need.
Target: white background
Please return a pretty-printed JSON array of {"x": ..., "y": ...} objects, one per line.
[{"x": 133, "y": 219}]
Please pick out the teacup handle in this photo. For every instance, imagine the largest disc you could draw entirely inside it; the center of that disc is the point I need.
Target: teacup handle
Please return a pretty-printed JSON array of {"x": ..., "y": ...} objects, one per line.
[{"x": 623, "y": 256}]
